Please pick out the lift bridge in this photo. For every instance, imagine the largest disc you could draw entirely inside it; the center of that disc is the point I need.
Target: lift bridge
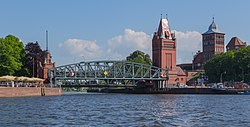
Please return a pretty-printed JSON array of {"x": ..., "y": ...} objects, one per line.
[{"x": 107, "y": 73}]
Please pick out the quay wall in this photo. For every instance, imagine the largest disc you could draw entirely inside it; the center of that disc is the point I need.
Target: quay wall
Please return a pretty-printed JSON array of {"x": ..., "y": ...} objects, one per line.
[
  {"x": 29, "y": 91},
  {"x": 174, "y": 91}
]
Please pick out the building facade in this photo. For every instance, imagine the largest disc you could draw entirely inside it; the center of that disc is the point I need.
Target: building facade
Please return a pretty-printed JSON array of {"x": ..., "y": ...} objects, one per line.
[
  {"x": 212, "y": 42},
  {"x": 164, "y": 52},
  {"x": 235, "y": 43},
  {"x": 47, "y": 64}
]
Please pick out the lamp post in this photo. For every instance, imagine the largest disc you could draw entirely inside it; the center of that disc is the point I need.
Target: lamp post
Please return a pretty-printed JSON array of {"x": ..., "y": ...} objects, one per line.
[
  {"x": 33, "y": 55},
  {"x": 33, "y": 67},
  {"x": 222, "y": 75},
  {"x": 242, "y": 71}
]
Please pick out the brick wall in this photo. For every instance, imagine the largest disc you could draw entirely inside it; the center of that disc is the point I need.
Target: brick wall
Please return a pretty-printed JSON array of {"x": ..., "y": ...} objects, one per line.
[{"x": 28, "y": 91}]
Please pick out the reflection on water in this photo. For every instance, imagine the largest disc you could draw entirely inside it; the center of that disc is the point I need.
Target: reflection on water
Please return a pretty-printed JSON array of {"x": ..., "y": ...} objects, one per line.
[{"x": 85, "y": 109}]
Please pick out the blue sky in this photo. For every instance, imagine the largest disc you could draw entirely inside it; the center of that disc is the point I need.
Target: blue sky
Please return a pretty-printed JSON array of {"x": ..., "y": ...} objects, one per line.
[{"x": 112, "y": 29}]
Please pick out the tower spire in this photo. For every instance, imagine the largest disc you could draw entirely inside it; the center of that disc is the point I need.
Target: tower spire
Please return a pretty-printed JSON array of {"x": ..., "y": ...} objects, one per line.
[{"x": 47, "y": 48}]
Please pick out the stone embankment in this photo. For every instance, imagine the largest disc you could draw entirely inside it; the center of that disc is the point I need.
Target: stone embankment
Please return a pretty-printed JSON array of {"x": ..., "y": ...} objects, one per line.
[{"x": 29, "y": 91}]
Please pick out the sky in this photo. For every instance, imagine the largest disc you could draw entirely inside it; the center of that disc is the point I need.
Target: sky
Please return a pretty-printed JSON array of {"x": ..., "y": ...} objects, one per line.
[{"x": 87, "y": 30}]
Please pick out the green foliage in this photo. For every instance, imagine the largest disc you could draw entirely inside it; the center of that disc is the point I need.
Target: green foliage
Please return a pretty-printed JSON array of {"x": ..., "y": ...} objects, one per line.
[
  {"x": 196, "y": 76},
  {"x": 34, "y": 55},
  {"x": 231, "y": 66},
  {"x": 139, "y": 57},
  {"x": 11, "y": 54}
]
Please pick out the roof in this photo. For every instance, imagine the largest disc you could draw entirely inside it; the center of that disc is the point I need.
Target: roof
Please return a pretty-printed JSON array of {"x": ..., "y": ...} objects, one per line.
[
  {"x": 235, "y": 42},
  {"x": 164, "y": 29},
  {"x": 180, "y": 72},
  {"x": 198, "y": 58},
  {"x": 213, "y": 28},
  {"x": 185, "y": 64}
]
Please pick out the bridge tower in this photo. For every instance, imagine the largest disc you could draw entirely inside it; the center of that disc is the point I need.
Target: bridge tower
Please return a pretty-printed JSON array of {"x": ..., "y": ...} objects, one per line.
[{"x": 164, "y": 49}]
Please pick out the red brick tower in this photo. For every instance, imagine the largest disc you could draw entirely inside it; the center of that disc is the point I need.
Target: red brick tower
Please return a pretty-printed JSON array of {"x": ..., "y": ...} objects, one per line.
[
  {"x": 213, "y": 42},
  {"x": 47, "y": 62},
  {"x": 164, "y": 49}
]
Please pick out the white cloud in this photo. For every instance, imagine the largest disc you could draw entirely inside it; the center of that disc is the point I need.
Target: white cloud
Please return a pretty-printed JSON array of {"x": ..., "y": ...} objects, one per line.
[
  {"x": 120, "y": 46},
  {"x": 78, "y": 47},
  {"x": 188, "y": 43},
  {"x": 123, "y": 45}
]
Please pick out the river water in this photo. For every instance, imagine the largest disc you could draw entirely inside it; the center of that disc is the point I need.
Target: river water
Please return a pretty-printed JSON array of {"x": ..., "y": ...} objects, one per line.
[{"x": 125, "y": 110}]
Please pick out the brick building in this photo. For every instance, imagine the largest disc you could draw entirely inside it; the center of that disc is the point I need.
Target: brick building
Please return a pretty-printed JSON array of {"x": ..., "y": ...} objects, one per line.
[
  {"x": 164, "y": 52},
  {"x": 212, "y": 43},
  {"x": 47, "y": 64},
  {"x": 235, "y": 43}
]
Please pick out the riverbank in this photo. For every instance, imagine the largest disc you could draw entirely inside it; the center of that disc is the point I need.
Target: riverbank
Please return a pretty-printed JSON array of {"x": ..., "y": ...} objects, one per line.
[
  {"x": 29, "y": 91},
  {"x": 173, "y": 91}
]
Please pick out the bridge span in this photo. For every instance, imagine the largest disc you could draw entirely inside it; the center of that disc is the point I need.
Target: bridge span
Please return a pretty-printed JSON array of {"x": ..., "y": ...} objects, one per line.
[{"x": 118, "y": 73}]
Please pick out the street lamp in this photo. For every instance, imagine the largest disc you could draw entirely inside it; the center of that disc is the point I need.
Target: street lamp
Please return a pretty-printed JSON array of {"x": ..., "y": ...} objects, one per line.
[
  {"x": 221, "y": 76},
  {"x": 242, "y": 71},
  {"x": 33, "y": 67}
]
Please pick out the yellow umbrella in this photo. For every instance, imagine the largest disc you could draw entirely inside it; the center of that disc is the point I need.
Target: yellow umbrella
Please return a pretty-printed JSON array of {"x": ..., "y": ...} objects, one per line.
[
  {"x": 22, "y": 78},
  {"x": 36, "y": 79},
  {"x": 7, "y": 78}
]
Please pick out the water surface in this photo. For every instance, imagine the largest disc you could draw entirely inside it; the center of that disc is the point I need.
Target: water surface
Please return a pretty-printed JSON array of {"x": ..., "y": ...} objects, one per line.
[{"x": 123, "y": 110}]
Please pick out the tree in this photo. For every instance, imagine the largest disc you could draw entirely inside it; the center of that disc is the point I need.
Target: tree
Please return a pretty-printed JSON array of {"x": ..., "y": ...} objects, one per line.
[
  {"x": 34, "y": 58},
  {"x": 11, "y": 53},
  {"x": 24, "y": 71},
  {"x": 139, "y": 57},
  {"x": 230, "y": 66},
  {"x": 242, "y": 58}
]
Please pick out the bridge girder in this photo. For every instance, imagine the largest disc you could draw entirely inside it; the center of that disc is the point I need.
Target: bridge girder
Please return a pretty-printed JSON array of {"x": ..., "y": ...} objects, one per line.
[{"x": 108, "y": 70}]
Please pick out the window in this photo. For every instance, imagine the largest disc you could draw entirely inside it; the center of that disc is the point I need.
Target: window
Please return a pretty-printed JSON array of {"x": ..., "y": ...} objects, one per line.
[
  {"x": 167, "y": 46},
  {"x": 205, "y": 43}
]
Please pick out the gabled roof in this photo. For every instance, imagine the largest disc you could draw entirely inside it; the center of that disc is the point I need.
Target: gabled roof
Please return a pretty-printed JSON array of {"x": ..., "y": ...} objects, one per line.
[
  {"x": 235, "y": 42},
  {"x": 180, "y": 72},
  {"x": 198, "y": 58},
  {"x": 213, "y": 28},
  {"x": 164, "y": 29}
]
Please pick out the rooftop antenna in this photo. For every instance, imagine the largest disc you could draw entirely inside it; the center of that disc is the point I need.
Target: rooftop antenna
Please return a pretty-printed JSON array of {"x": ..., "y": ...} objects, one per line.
[{"x": 47, "y": 49}]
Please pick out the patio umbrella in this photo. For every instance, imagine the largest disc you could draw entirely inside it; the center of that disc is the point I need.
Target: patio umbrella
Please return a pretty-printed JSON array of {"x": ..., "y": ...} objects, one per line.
[
  {"x": 36, "y": 79},
  {"x": 22, "y": 78},
  {"x": 7, "y": 78}
]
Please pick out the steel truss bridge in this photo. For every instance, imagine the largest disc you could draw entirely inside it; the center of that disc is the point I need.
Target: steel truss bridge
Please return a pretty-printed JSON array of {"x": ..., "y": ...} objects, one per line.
[{"x": 106, "y": 73}]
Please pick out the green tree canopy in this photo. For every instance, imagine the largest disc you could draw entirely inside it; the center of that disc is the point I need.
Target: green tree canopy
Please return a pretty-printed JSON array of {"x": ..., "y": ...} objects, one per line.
[
  {"x": 139, "y": 57},
  {"x": 230, "y": 66},
  {"x": 11, "y": 54},
  {"x": 35, "y": 56}
]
